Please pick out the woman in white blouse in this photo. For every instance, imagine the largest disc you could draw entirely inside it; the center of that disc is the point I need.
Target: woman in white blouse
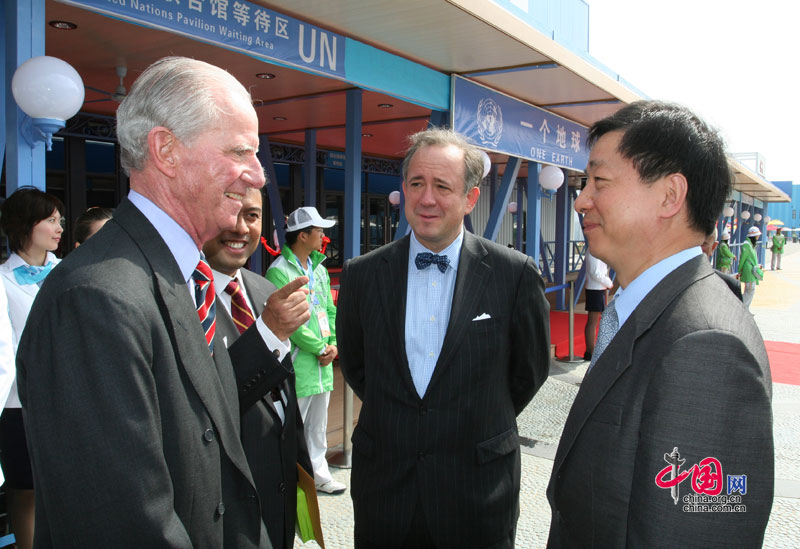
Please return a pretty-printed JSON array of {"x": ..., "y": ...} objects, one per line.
[{"x": 31, "y": 219}]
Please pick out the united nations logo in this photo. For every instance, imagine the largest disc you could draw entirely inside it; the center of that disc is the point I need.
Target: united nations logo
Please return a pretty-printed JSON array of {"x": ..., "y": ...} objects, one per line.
[{"x": 490, "y": 121}]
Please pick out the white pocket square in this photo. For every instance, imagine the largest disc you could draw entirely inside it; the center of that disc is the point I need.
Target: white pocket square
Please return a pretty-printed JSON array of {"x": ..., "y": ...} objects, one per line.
[{"x": 483, "y": 316}]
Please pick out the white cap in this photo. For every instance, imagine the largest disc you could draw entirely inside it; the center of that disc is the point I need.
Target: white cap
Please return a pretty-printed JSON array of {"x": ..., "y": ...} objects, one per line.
[
  {"x": 307, "y": 216},
  {"x": 754, "y": 231},
  {"x": 725, "y": 235}
]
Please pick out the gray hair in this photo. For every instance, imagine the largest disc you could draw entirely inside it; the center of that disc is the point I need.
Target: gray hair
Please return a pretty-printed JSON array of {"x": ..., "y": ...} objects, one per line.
[
  {"x": 441, "y": 137},
  {"x": 178, "y": 93}
]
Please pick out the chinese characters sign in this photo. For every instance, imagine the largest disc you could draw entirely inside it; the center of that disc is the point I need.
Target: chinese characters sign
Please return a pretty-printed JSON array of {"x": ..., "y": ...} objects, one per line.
[
  {"x": 236, "y": 24},
  {"x": 500, "y": 123}
]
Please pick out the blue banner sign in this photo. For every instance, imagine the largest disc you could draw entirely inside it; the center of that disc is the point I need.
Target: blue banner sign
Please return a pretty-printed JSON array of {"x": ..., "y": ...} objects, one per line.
[
  {"x": 499, "y": 123},
  {"x": 237, "y": 25}
]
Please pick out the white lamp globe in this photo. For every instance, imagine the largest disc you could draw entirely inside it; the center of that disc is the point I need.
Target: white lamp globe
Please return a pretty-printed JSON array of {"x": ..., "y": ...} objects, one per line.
[
  {"x": 745, "y": 215},
  {"x": 487, "y": 163},
  {"x": 757, "y": 217},
  {"x": 551, "y": 178},
  {"x": 47, "y": 87},
  {"x": 394, "y": 198},
  {"x": 767, "y": 219},
  {"x": 512, "y": 207},
  {"x": 728, "y": 211}
]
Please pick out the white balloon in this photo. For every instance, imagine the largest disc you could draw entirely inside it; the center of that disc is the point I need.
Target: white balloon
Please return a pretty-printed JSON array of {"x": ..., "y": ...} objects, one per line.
[
  {"x": 551, "y": 178},
  {"x": 512, "y": 207},
  {"x": 394, "y": 198},
  {"x": 745, "y": 215},
  {"x": 728, "y": 211},
  {"x": 757, "y": 217},
  {"x": 767, "y": 219},
  {"x": 47, "y": 87}
]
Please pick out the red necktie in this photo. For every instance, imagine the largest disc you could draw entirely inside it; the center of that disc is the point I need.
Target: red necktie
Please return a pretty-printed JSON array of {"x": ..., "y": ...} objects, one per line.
[
  {"x": 240, "y": 312},
  {"x": 204, "y": 300}
]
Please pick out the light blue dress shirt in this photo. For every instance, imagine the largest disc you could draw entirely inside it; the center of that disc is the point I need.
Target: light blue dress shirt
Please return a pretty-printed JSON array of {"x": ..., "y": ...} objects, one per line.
[
  {"x": 429, "y": 297},
  {"x": 626, "y": 300}
]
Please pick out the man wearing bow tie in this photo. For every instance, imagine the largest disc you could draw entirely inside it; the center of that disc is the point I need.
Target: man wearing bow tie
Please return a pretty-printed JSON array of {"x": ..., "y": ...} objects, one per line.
[{"x": 445, "y": 338}]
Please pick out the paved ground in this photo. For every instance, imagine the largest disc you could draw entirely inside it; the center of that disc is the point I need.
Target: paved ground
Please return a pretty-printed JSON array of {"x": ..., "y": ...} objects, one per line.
[{"x": 777, "y": 313}]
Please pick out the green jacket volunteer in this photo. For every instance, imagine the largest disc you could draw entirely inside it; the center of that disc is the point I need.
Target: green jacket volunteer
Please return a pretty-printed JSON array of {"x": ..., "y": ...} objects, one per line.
[
  {"x": 724, "y": 254},
  {"x": 312, "y": 339},
  {"x": 313, "y": 344},
  {"x": 749, "y": 270},
  {"x": 778, "y": 241}
]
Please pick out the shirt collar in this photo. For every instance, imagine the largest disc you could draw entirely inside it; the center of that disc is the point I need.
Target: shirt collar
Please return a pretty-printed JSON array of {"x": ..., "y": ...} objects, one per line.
[
  {"x": 221, "y": 280},
  {"x": 180, "y": 244},
  {"x": 626, "y": 300},
  {"x": 453, "y": 251},
  {"x": 15, "y": 260}
]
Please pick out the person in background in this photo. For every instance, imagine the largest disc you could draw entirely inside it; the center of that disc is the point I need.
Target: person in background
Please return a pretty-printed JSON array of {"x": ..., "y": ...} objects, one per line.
[
  {"x": 89, "y": 222},
  {"x": 750, "y": 272},
  {"x": 314, "y": 344},
  {"x": 32, "y": 221},
  {"x": 724, "y": 254},
  {"x": 271, "y": 430},
  {"x": 778, "y": 242},
  {"x": 597, "y": 285}
]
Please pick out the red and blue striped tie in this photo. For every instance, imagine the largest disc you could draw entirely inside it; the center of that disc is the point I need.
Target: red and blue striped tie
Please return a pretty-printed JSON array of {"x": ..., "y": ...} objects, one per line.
[{"x": 205, "y": 300}]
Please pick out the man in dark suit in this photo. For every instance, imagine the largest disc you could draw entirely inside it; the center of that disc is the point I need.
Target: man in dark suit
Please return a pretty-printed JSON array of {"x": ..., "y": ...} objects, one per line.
[
  {"x": 131, "y": 409},
  {"x": 669, "y": 440},
  {"x": 272, "y": 431},
  {"x": 445, "y": 338}
]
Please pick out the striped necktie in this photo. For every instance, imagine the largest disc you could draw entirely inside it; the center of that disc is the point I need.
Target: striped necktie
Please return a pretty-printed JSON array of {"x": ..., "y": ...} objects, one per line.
[
  {"x": 240, "y": 311},
  {"x": 205, "y": 300},
  {"x": 609, "y": 324}
]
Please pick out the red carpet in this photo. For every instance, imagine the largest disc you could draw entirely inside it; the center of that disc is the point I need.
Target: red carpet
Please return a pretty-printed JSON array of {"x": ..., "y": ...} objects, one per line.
[
  {"x": 784, "y": 358},
  {"x": 559, "y": 333},
  {"x": 784, "y": 361}
]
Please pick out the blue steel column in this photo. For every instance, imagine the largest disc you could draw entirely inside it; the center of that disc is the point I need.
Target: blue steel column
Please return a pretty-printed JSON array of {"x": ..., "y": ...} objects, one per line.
[
  {"x": 24, "y": 25},
  {"x": 520, "y": 218},
  {"x": 501, "y": 198},
  {"x": 275, "y": 206},
  {"x": 352, "y": 176},
  {"x": 310, "y": 170},
  {"x": 533, "y": 231},
  {"x": 562, "y": 241}
]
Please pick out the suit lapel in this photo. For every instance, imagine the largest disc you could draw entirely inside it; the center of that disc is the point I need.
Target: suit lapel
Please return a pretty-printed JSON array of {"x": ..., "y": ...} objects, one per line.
[
  {"x": 191, "y": 351},
  {"x": 616, "y": 359},
  {"x": 471, "y": 281},
  {"x": 393, "y": 287}
]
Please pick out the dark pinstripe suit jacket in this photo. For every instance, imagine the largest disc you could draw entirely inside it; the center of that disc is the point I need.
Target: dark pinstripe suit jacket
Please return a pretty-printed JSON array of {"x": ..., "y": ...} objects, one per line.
[
  {"x": 688, "y": 369},
  {"x": 272, "y": 448},
  {"x": 456, "y": 448}
]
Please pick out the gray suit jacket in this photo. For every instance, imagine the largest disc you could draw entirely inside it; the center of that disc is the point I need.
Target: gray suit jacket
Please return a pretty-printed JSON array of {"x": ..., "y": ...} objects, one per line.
[
  {"x": 273, "y": 448},
  {"x": 133, "y": 428},
  {"x": 688, "y": 369},
  {"x": 456, "y": 448}
]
